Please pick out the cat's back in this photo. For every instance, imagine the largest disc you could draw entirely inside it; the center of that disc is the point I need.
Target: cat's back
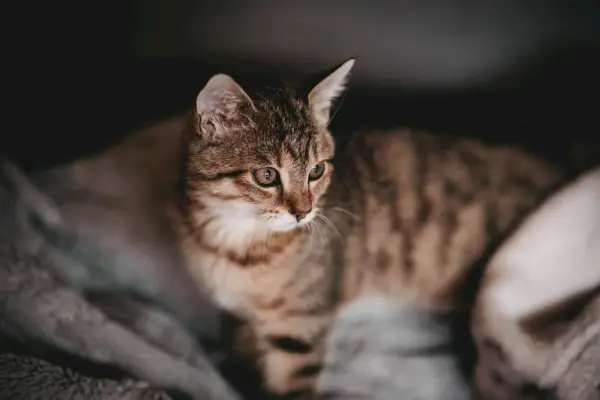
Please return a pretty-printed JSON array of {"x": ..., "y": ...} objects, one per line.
[
  {"x": 415, "y": 160},
  {"x": 116, "y": 202},
  {"x": 141, "y": 165},
  {"x": 429, "y": 205}
]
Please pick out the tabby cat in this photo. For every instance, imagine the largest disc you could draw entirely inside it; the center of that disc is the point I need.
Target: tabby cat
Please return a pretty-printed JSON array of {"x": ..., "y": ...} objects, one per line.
[{"x": 283, "y": 233}]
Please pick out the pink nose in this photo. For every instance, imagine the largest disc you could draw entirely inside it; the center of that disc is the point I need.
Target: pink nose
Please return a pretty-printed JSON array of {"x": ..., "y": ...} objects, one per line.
[{"x": 300, "y": 214}]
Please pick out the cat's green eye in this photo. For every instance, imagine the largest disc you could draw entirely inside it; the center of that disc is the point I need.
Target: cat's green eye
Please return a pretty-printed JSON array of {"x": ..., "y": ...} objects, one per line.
[
  {"x": 317, "y": 171},
  {"x": 266, "y": 177}
]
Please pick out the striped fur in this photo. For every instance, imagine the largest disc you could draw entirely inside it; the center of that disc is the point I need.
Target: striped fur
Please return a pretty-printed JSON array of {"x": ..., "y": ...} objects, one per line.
[{"x": 398, "y": 213}]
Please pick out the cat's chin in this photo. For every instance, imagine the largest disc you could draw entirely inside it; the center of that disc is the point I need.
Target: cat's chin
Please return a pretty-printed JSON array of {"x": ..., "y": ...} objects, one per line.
[
  {"x": 285, "y": 224},
  {"x": 277, "y": 226}
]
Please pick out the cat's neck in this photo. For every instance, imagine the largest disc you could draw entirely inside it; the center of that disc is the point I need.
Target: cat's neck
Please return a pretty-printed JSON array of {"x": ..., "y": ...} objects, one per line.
[{"x": 225, "y": 234}]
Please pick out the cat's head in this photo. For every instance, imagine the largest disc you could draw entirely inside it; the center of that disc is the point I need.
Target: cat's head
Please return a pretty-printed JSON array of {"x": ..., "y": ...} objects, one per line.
[{"x": 262, "y": 161}]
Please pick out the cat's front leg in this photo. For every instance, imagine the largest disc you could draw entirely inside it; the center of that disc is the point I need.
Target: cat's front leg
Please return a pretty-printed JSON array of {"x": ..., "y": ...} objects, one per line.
[{"x": 292, "y": 350}]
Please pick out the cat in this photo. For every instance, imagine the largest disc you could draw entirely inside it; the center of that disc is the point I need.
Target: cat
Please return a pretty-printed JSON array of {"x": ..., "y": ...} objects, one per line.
[
  {"x": 25, "y": 376},
  {"x": 284, "y": 229},
  {"x": 42, "y": 311}
]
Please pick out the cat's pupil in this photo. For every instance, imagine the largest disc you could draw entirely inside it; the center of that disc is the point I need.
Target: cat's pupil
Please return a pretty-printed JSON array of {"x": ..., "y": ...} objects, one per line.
[
  {"x": 316, "y": 171},
  {"x": 265, "y": 176}
]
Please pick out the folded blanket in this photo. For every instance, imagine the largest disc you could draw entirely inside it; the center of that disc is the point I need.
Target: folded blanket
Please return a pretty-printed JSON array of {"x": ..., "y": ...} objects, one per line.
[
  {"x": 537, "y": 317},
  {"x": 47, "y": 306}
]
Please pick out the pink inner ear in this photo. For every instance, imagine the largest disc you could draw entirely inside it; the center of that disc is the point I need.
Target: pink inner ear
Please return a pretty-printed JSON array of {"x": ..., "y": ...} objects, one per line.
[
  {"x": 320, "y": 105},
  {"x": 326, "y": 91},
  {"x": 221, "y": 96},
  {"x": 322, "y": 111}
]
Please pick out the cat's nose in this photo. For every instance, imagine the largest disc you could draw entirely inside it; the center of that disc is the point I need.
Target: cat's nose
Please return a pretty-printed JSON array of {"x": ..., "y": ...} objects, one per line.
[{"x": 300, "y": 213}]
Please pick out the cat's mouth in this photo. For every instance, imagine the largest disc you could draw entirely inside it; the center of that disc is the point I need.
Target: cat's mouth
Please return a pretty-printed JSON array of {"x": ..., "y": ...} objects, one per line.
[
  {"x": 286, "y": 222},
  {"x": 308, "y": 219}
]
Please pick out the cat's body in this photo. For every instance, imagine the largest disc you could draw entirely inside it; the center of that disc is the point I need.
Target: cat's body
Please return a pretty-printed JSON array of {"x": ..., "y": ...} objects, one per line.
[
  {"x": 144, "y": 340},
  {"x": 283, "y": 241}
]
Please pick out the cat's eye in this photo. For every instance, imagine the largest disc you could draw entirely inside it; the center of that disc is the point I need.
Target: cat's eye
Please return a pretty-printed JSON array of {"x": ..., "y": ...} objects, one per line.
[
  {"x": 317, "y": 171},
  {"x": 266, "y": 176}
]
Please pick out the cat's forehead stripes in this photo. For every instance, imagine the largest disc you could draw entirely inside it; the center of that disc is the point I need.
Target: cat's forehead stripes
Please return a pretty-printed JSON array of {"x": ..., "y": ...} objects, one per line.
[
  {"x": 285, "y": 111},
  {"x": 284, "y": 125}
]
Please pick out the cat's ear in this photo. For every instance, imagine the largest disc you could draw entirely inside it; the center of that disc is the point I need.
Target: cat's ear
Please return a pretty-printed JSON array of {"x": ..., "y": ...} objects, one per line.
[
  {"x": 321, "y": 97},
  {"x": 220, "y": 102},
  {"x": 552, "y": 258}
]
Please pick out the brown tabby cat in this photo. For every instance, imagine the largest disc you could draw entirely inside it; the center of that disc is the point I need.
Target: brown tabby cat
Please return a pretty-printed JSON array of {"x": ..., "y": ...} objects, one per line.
[{"x": 283, "y": 241}]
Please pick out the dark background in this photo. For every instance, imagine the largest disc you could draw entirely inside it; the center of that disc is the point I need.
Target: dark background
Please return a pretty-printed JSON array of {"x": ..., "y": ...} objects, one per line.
[{"x": 80, "y": 75}]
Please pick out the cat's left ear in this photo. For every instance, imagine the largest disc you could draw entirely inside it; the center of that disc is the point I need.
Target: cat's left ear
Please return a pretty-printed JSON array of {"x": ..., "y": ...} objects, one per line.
[
  {"x": 321, "y": 97},
  {"x": 220, "y": 103}
]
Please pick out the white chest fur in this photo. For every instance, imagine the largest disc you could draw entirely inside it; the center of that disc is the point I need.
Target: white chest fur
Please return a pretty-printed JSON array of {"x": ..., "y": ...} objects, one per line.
[
  {"x": 228, "y": 284},
  {"x": 236, "y": 288}
]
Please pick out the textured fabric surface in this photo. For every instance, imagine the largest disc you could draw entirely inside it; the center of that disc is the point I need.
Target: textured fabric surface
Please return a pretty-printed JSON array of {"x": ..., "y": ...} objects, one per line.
[
  {"x": 381, "y": 349},
  {"x": 47, "y": 315},
  {"x": 537, "y": 317},
  {"x": 25, "y": 378}
]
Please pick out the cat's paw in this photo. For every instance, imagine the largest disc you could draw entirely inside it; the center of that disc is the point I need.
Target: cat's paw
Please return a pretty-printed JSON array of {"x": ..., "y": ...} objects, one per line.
[{"x": 290, "y": 374}]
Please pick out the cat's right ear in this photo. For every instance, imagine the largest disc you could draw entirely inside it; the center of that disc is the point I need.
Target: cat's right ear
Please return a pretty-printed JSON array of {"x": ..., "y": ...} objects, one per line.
[
  {"x": 220, "y": 103},
  {"x": 322, "y": 96}
]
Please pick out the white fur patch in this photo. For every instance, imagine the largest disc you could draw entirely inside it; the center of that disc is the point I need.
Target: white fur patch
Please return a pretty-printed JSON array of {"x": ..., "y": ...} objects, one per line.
[
  {"x": 235, "y": 223},
  {"x": 282, "y": 222},
  {"x": 286, "y": 222}
]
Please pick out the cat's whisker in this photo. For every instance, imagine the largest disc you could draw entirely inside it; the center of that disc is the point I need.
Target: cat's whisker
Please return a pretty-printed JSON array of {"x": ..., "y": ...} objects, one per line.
[
  {"x": 316, "y": 232},
  {"x": 320, "y": 233},
  {"x": 344, "y": 211},
  {"x": 311, "y": 235},
  {"x": 319, "y": 228},
  {"x": 338, "y": 107},
  {"x": 311, "y": 239},
  {"x": 330, "y": 224}
]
